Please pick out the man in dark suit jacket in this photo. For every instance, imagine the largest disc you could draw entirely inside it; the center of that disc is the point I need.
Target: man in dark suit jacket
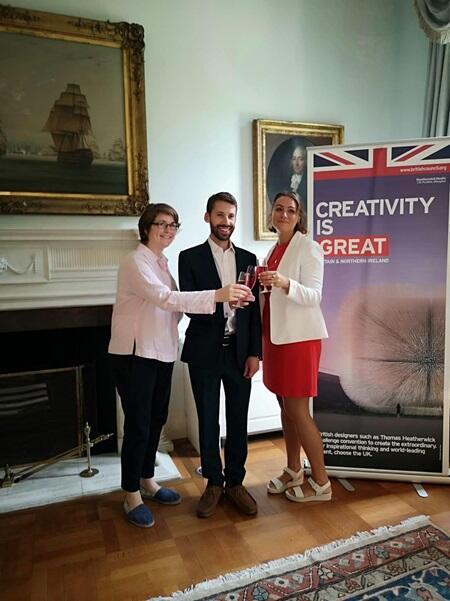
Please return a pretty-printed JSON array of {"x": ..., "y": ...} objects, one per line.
[{"x": 221, "y": 348}]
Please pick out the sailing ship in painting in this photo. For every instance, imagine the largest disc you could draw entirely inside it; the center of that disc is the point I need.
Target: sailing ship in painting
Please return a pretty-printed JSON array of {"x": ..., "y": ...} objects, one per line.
[
  {"x": 3, "y": 141},
  {"x": 69, "y": 125},
  {"x": 117, "y": 151}
]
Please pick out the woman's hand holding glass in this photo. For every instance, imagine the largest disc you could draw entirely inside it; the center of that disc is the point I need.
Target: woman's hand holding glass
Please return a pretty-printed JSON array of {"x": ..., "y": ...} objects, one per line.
[
  {"x": 234, "y": 293},
  {"x": 274, "y": 279}
]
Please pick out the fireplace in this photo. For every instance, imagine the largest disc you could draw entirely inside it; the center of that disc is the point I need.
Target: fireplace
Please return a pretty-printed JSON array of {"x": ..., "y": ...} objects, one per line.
[
  {"x": 60, "y": 350},
  {"x": 57, "y": 288},
  {"x": 41, "y": 414}
]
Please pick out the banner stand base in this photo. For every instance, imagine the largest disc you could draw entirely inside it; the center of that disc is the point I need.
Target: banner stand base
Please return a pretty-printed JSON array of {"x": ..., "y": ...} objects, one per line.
[
  {"x": 414, "y": 478},
  {"x": 346, "y": 484},
  {"x": 420, "y": 490}
]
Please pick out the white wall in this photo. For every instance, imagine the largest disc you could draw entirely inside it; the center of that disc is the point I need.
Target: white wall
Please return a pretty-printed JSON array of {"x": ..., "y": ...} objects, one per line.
[{"x": 213, "y": 66}]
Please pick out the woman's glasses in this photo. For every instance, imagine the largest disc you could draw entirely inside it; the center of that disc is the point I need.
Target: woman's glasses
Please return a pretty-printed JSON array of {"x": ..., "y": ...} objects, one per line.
[{"x": 164, "y": 226}]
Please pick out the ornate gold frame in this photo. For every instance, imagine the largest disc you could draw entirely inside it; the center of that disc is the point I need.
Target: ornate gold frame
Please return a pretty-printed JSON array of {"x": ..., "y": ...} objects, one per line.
[
  {"x": 262, "y": 128},
  {"x": 130, "y": 39}
]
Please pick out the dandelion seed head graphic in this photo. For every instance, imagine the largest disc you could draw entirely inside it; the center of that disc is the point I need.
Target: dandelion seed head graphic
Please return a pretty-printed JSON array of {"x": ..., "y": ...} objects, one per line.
[{"x": 393, "y": 348}]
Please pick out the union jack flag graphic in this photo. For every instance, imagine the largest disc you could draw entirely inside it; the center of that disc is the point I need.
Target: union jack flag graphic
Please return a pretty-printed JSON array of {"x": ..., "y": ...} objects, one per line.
[{"x": 426, "y": 157}]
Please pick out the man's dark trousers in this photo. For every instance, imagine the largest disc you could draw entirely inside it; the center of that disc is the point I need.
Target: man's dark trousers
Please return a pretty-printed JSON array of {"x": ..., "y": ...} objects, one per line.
[{"x": 206, "y": 388}]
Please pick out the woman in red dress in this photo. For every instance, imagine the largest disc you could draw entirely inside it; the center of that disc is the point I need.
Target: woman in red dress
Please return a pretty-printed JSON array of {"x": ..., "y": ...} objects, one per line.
[{"x": 293, "y": 327}]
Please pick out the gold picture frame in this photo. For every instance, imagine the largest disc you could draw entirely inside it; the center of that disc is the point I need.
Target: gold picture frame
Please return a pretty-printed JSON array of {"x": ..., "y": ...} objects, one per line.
[
  {"x": 72, "y": 115},
  {"x": 277, "y": 146}
]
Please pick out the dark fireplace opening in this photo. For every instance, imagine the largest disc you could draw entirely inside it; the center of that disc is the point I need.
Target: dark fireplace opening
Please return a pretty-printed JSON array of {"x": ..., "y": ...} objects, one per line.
[
  {"x": 40, "y": 414},
  {"x": 41, "y": 340}
]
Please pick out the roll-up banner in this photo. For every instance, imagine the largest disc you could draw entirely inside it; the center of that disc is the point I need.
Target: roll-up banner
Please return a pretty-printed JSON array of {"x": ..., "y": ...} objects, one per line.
[{"x": 381, "y": 213}]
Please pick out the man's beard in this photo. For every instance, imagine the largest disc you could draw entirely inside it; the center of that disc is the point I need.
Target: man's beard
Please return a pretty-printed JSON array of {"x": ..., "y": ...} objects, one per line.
[{"x": 219, "y": 235}]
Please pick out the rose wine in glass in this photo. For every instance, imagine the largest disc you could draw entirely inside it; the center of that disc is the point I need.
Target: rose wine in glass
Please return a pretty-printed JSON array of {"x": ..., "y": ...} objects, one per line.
[
  {"x": 252, "y": 276},
  {"x": 262, "y": 266},
  {"x": 242, "y": 279}
]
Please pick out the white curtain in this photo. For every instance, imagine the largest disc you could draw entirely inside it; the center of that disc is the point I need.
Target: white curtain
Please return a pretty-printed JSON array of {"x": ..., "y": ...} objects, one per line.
[
  {"x": 436, "y": 116},
  {"x": 434, "y": 18}
]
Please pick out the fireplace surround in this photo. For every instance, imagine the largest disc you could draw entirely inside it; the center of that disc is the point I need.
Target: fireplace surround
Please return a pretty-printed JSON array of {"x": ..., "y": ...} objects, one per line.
[{"x": 57, "y": 288}]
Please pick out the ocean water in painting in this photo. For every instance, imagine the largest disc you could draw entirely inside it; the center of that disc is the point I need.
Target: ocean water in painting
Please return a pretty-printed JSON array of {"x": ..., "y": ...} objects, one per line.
[{"x": 46, "y": 174}]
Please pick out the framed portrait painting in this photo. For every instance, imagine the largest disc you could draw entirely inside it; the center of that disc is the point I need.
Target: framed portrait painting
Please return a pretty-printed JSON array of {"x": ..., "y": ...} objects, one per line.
[
  {"x": 279, "y": 162},
  {"x": 72, "y": 115}
]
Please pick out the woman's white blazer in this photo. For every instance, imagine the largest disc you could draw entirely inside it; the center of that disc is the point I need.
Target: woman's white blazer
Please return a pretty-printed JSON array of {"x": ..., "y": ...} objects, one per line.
[{"x": 297, "y": 316}]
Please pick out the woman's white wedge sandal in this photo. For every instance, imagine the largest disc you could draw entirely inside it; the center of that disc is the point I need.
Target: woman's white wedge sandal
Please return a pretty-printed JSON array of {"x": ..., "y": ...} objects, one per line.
[
  {"x": 276, "y": 486},
  {"x": 322, "y": 493}
]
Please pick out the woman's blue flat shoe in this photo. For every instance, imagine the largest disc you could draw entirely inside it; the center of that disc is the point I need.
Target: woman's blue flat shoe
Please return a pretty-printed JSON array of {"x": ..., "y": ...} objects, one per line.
[
  {"x": 165, "y": 496},
  {"x": 139, "y": 516}
]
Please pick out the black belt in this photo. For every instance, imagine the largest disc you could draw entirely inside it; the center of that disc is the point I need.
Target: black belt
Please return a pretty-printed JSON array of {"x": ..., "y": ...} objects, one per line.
[{"x": 228, "y": 340}]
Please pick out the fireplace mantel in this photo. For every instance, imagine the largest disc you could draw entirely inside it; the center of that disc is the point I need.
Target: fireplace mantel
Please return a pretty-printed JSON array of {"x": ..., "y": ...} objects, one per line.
[{"x": 60, "y": 268}]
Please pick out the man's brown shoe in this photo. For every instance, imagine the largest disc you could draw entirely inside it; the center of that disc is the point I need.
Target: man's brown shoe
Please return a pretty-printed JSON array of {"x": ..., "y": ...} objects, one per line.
[
  {"x": 242, "y": 499},
  {"x": 208, "y": 501}
]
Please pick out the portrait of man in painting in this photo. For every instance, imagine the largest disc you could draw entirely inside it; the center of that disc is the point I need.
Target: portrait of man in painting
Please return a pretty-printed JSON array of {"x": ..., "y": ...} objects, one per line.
[
  {"x": 280, "y": 162},
  {"x": 61, "y": 132},
  {"x": 286, "y": 167}
]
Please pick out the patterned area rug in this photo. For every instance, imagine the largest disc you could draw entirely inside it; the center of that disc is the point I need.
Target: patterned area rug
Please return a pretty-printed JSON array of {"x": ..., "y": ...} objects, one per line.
[{"x": 408, "y": 561}]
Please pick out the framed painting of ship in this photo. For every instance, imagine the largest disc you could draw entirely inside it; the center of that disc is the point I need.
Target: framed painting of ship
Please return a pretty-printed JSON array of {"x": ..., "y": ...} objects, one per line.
[{"x": 72, "y": 115}]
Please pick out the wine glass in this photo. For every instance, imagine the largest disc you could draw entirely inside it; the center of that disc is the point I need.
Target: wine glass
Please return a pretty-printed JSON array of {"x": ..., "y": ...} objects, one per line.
[
  {"x": 243, "y": 278},
  {"x": 262, "y": 266},
  {"x": 252, "y": 276}
]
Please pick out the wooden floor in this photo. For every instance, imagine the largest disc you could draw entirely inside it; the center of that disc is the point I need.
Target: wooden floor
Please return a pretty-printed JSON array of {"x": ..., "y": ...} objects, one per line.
[{"x": 85, "y": 550}]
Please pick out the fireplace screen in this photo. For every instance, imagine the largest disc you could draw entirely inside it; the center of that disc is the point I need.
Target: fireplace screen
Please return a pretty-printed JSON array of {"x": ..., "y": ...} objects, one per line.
[{"x": 40, "y": 414}]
